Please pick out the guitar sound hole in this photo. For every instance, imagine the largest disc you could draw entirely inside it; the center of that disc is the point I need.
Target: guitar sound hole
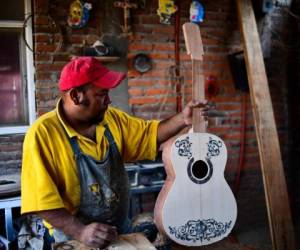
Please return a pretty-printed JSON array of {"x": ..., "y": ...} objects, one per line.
[{"x": 199, "y": 169}]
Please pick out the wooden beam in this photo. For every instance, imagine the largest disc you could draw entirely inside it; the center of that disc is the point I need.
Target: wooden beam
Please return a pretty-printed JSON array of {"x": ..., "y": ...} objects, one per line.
[{"x": 279, "y": 214}]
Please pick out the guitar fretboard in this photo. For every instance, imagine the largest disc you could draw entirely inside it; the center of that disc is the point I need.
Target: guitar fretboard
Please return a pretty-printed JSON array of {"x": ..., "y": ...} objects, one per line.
[{"x": 198, "y": 95}]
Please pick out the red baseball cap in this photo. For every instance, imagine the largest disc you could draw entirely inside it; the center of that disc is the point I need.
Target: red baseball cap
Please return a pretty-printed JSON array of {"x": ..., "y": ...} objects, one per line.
[{"x": 83, "y": 70}]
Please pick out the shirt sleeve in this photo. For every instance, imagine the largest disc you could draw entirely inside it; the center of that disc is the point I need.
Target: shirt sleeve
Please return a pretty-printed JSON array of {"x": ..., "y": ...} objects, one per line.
[
  {"x": 139, "y": 137},
  {"x": 38, "y": 184}
]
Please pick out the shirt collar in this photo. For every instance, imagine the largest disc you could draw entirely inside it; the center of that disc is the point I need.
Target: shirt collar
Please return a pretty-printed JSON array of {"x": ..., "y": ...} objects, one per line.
[{"x": 70, "y": 131}]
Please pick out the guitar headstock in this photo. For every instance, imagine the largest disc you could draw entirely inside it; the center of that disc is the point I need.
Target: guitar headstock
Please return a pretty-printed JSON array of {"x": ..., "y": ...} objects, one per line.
[{"x": 193, "y": 41}]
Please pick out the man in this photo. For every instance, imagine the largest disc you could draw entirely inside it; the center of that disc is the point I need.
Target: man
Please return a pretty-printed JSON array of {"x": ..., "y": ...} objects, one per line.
[{"x": 72, "y": 171}]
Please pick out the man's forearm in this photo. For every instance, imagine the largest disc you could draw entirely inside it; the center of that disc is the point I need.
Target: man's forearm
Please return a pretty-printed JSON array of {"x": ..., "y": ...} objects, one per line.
[
  {"x": 170, "y": 127},
  {"x": 63, "y": 220}
]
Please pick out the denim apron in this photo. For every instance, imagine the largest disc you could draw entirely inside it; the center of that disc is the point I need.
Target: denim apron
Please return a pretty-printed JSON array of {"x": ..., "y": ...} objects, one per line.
[{"x": 104, "y": 188}]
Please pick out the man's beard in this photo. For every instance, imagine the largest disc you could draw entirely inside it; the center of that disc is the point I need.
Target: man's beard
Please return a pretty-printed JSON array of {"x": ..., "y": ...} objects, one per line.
[
  {"x": 93, "y": 120},
  {"x": 98, "y": 119}
]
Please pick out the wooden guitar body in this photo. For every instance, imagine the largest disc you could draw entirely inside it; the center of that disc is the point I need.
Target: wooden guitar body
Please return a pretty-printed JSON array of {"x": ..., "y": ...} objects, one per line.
[{"x": 196, "y": 206}]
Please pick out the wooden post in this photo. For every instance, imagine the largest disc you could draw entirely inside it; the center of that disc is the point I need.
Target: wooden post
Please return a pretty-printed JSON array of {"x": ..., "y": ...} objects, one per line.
[{"x": 280, "y": 221}]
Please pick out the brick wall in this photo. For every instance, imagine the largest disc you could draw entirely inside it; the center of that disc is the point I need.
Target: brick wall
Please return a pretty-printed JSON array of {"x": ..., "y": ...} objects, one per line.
[{"x": 152, "y": 94}]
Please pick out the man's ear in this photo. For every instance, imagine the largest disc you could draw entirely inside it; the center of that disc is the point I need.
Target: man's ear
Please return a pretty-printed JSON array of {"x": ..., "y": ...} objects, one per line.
[{"x": 76, "y": 96}]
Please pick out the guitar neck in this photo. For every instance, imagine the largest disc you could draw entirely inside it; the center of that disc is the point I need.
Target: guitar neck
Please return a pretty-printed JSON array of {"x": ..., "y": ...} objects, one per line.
[{"x": 198, "y": 95}]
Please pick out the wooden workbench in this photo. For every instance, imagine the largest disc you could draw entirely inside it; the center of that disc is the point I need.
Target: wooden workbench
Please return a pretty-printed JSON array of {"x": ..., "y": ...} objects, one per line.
[{"x": 134, "y": 241}]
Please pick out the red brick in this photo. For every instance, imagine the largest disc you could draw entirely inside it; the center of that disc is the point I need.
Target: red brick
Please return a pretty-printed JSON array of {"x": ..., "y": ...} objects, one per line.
[
  {"x": 61, "y": 58},
  {"x": 210, "y": 41},
  {"x": 50, "y": 66},
  {"x": 46, "y": 85},
  {"x": 154, "y": 92},
  {"x": 148, "y": 19},
  {"x": 139, "y": 28},
  {"x": 135, "y": 92},
  {"x": 140, "y": 82},
  {"x": 166, "y": 29},
  {"x": 216, "y": 16},
  {"x": 45, "y": 96},
  {"x": 138, "y": 46},
  {"x": 42, "y": 57},
  {"x": 163, "y": 46},
  {"x": 77, "y": 39},
  {"x": 142, "y": 100},
  {"x": 45, "y": 47},
  {"x": 41, "y": 20},
  {"x": 214, "y": 57},
  {"x": 41, "y": 6},
  {"x": 41, "y": 38},
  {"x": 43, "y": 76},
  {"x": 133, "y": 73},
  {"x": 218, "y": 49},
  {"x": 161, "y": 55}
]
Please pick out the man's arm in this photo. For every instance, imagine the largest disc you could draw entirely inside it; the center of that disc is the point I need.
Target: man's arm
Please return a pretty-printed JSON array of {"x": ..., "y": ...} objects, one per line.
[
  {"x": 93, "y": 235},
  {"x": 170, "y": 127}
]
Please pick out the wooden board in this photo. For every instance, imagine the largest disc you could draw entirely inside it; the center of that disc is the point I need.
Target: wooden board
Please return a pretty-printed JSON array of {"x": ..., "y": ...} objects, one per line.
[
  {"x": 277, "y": 200},
  {"x": 134, "y": 241},
  {"x": 10, "y": 185}
]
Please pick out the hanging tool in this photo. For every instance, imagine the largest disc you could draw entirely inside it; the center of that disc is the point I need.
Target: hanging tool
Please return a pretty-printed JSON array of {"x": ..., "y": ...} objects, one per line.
[{"x": 126, "y": 5}]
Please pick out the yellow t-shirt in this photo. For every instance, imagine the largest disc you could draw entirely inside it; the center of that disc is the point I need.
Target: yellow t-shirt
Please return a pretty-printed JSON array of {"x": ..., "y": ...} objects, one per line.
[{"x": 49, "y": 178}]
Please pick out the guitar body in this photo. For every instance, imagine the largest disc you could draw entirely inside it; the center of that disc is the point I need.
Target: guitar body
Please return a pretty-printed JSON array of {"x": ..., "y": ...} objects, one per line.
[{"x": 196, "y": 206}]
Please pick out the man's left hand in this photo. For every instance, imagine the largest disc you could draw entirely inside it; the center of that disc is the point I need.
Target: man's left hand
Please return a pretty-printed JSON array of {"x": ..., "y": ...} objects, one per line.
[{"x": 207, "y": 109}]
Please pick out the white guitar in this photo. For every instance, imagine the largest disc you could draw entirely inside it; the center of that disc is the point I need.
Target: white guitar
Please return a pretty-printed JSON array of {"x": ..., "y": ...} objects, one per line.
[{"x": 195, "y": 206}]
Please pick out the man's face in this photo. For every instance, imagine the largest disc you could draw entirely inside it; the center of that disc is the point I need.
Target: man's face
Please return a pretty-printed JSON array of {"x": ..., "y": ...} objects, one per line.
[{"x": 95, "y": 103}]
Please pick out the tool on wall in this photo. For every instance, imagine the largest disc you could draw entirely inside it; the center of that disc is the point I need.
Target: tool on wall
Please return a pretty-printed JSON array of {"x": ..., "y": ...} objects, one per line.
[
  {"x": 54, "y": 28},
  {"x": 79, "y": 14},
  {"x": 126, "y": 6},
  {"x": 165, "y": 10},
  {"x": 100, "y": 49},
  {"x": 142, "y": 63}
]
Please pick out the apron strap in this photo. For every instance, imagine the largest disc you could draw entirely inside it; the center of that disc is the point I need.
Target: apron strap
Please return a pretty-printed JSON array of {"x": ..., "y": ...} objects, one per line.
[
  {"x": 74, "y": 145},
  {"x": 109, "y": 135},
  {"x": 112, "y": 142}
]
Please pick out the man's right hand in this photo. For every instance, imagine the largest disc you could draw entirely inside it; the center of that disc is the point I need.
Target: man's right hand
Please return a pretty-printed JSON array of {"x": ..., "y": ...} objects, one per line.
[
  {"x": 93, "y": 235},
  {"x": 97, "y": 235}
]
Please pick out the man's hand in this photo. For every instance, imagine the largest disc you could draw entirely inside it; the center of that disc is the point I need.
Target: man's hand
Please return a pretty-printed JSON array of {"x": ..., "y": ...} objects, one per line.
[
  {"x": 93, "y": 235},
  {"x": 170, "y": 127},
  {"x": 97, "y": 235},
  {"x": 187, "y": 112}
]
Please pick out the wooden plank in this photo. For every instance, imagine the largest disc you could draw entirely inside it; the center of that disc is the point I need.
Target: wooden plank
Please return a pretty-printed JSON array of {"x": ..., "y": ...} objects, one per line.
[
  {"x": 134, "y": 241},
  {"x": 280, "y": 220}
]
